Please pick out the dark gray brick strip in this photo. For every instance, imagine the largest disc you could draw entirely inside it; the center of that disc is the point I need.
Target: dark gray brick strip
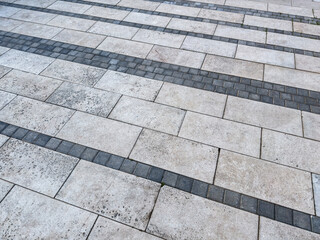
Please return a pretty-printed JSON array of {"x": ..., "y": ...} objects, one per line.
[
  {"x": 266, "y": 92},
  {"x": 209, "y": 191}
]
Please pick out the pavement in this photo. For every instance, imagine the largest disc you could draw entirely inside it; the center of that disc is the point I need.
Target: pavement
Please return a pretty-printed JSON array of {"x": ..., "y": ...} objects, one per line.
[{"x": 152, "y": 119}]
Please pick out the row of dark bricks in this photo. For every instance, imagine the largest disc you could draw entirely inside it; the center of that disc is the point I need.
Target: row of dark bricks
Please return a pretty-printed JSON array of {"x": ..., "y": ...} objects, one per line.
[
  {"x": 187, "y": 184},
  {"x": 271, "y": 93},
  {"x": 175, "y": 31}
]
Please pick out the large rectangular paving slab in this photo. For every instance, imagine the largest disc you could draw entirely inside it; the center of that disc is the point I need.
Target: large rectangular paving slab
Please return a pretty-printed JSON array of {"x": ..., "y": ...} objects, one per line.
[
  {"x": 130, "y": 85},
  {"x": 178, "y": 10},
  {"x": 222, "y": 16},
  {"x": 35, "y": 3},
  {"x": 192, "y": 99},
  {"x": 311, "y": 125},
  {"x": 24, "y": 61},
  {"x": 147, "y": 114},
  {"x": 141, "y": 4},
  {"x": 113, "y": 30},
  {"x": 4, "y": 188},
  {"x": 107, "y": 13},
  {"x": 5, "y": 98},
  {"x": 290, "y": 10},
  {"x": 269, "y": 229},
  {"x": 35, "y": 115},
  {"x": 36, "y": 168},
  {"x": 291, "y": 151},
  {"x": 307, "y": 63},
  {"x": 29, "y": 84},
  {"x": 71, "y": 23},
  {"x": 268, "y": 56},
  {"x": 110, "y": 193},
  {"x": 148, "y": 19},
  {"x": 209, "y": 46},
  {"x": 268, "y": 23},
  {"x": 85, "y": 99},
  {"x": 306, "y": 28},
  {"x": 247, "y": 4},
  {"x": 69, "y": 7},
  {"x": 316, "y": 190},
  {"x": 74, "y": 72},
  {"x": 271, "y": 182},
  {"x": 291, "y": 77},
  {"x": 28, "y": 215},
  {"x": 127, "y": 47},
  {"x": 175, "y": 154},
  {"x": 192, "y": 26},
  {"x": 176, "y": 56},
  {"x": 33, "y": 16},
  {"x": 264, "y": 115},
  {"x": 180, "y": 215},
  {"x": 233, "y": 67},
  {"x": 107, "y": 228},
  {"x": 37, "y": 30},
  {"x": 4, "y": 70},
  {"x": 221, "y": 133},
  {"x": 8, "y": 11},
  {"x": 103, "y": 134},
  {"x": 9, "y": 24}
]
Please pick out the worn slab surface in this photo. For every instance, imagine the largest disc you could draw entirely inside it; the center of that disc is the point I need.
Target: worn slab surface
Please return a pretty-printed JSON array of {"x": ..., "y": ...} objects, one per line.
[
  {"x": 311, "y": 125},
  {"x": 71, "y": 23},
  {"x": 5, "y": 98},
  {"x": 113, "y": 30},
  {"x": 3, "y": 139},
  {"x": 192, "y": 26},
  {"x": 4, "y": 188},
  {"x": 119, "y": 196}
]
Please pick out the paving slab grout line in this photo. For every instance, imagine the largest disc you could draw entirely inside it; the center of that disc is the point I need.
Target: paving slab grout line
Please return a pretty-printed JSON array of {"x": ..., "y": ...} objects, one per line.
[
  {"x": 261, "y": 91},
  {"x": 230, "y": 198}
]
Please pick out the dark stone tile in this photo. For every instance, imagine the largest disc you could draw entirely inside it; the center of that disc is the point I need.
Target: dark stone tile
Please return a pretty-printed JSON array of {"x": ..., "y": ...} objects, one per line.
[
  {"x": 156, "y": 174},
  {"x": 76, "y": 150},
  {"x": 115, "y": 162},
  {"x": 20, "y": 133},
  {"x": 30, "y": 137},
  {"x": 199, "y": 188},
  {"x": 266, "y": 209},
  {"x": 249, "y": 204},
  {"x": 169, "y": 178},
  {"x": 141, "y": 170},
  {"x": 215, "y": 193},
  {"x": 283, "y": 214},
  {"x": 9, "y": 130},
  {"x": 53, "y": 143},
  {"x": 89, "y": 154},
  {"x": 184, "y": 183},
  {"x": 128, "y": 166},
  {"x": 3, "y": 126},
  {"x": 42, "y": 140},
  {"x": 232, "y": 198},
  {"x": 102, "y": 158},
  {"x": 315, "y": 224},
  {"x": 302, "y": 220}
]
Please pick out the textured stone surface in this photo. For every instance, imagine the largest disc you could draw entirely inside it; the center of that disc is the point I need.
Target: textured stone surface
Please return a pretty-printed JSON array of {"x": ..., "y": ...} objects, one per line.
[
  {"x": 178, "y": 10},
  {"x": 268, "y": 23},
  {"x": 311, "y": 125},
  {"x": 71, "y": 23},
  {"x": 69, "y": 7},
  {"x": 316, "y": 190},
  {"x": 142, "y": 18},
  {"x": 307, "y": 63},
  {"x": 175, "y": 154},
  {"x": 37, "y": 30},
  {"x": 146, "y": 5},
  {"x": 36, "y": 168},
  {"x": 107, "y": 13},
  {"x": 180, "y": 215},
  {"x": 306, "y": 28},
  {"x": 4, "y": 188},
  {"x": 33, "y": 16},
  {"x": 192, "y": 26},
  {"x": 3, "y": 139},
  {"x": 9, "y": 24},
  {"x": 5, "y": 98},
  {"x": 113, "y": 30},
  {"x": 7, "y": 11},
  {"x": 120, "y": 196},
  {"x": 222, "y": 16},
  {"x": 50, "y": 218}
]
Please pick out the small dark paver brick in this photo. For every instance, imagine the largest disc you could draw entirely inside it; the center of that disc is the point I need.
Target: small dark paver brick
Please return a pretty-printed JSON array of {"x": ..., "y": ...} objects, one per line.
[
  {"x": 102, "y": 158},
  {"x": 128, "y": 166},
  {"x": 9, "y": 130},
  {"x": 20, "y": 133},
  {"x": 3, "y": 126},
  {"x": 266, "y": 209},
  {"x": 42, "y": 140},
  {"x": 53, "y": 143},
  {"x": 141, "y": 170},
  {"x": 199, "y": 188},
  {"x": 169, "y": 178},
  {"x": 315, "y": 224},
  {"x": 156, "y": 174},
  {"x": 232, "y": 198},
  {"x": 249, "y": 204},
  {"x": 283, "y": 214},
  {"x": 115, "y": 162},
  {"x": 76, "y": 150},
  {"x": 302, "y": 220},
  {"x": 30, "y": 136},
  {"x": 184, "y": 183},
  {"x": 89, "y": 154},
  {"x": 64, "y": 147},
  {"x": 215, "y": 193}
]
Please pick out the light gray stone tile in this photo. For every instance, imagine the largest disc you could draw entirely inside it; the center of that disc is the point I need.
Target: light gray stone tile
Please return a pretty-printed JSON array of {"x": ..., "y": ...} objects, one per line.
[
  {"x": 74, "y": 72},
  {"x": 159, "y": 38},
  {"x": 307, "y": 63},
  {"x": 221, "y": 133},
  {"x": 192, "y": 99},
  {"x": 316, "y": 190},
  {"x": 90, "y": 100},
  {"x": 221, "y": 16},
  {"x": 33, "y": 16},
  {"x": 9, "y": 24},
  {"x": 36, "y": 168},
  {"x": 113, "y": 30},
  {"x": 2, "y": 51},
  {"x": 112, "y": 2},
  {"x": 241, "y": 33},
  {"x": 6, "y": 11},
  {"x": 90, "y": 40},
  {"x": 210, "y": 1},
  {"x": 306, "y": 4},
  {"x": 176, "y": 56},
  {"x": 316, "y": 13},
  {"x": 147, "y": 114},
  {"x": 130, "y": 85},
  {"x": 146, "y": 5},
  {"x": 311, "y": 125},
  {"x": 178, "y": 10},
  {"x": 5, "y": 98},
  {"x": 101, "y": 133},
  {"x": 24, "y": 61},
  {"x": 271, "y": 182},
  {"x": 192, "y": 26},
  {"x": 107, "y": 13},
  {"x": 4, "y": 70},
  {"x": 234, "y": 67},
  {"x": 175, "y": 154},
  {"x": 38, "y": 116},
  {"x": 4, "y": 188},
  {"x": 105, "y": 227},
  {"x": 248, "y": 4},
  {"x": 270, "y": 228},
  {"x": 71, "y": 23},
  {"x": 293, "y": 41},
  {"x": 306, "y": 28},
  {"x": 69, "y": 7},
  {"x": 29, "y": 84},
  {"x": 268, "y": 56},
  {"x": 290, "y": 10},
  {"x": 291, "y": 151},
  {"x": 148, "y": 19},
  {"x": 209, "y": 46},
  {"x": 120, "y": 196},
  {"x": 264, "y": 115},
  {"x": 3, "y": 139},
  {"x": 35, "y": 3},
  {"x": 268, "y": 23},
  {"x": 181, "y": 215},
  {"x": 127, "y": 47},
  {"x": 37, "y": 30},
  {"x": 291, "y": 77},
  {"x": 50, "y": 218}
]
